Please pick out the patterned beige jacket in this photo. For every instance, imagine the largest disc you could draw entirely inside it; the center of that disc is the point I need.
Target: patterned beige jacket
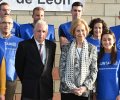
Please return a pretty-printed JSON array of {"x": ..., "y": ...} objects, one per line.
[{"x": 91, "y": 66}]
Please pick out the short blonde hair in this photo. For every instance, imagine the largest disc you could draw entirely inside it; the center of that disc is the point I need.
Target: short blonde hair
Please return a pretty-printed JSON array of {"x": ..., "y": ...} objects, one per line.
[
  {"x": 38, "y": 9},
  {"x": 78, "y": 22}
]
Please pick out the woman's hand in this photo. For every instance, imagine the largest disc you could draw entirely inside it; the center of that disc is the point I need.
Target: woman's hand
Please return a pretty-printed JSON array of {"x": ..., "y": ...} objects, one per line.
[
  {"x": 83, "y": 89},
  {"x": 77, "y": 91}
]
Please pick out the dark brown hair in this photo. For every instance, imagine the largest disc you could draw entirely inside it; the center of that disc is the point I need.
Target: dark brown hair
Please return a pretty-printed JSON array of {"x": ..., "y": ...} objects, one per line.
[
  {"x": 77, "y": 4},
  {"x": 3, "y": 4},
  {"x": 114, "y": 50},
  {"x": 95, "y": 21}
]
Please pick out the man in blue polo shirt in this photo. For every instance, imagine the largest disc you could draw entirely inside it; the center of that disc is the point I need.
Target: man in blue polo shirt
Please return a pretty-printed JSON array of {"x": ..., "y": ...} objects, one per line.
[
  {"x": 64, "y": 29},
  {"x": 26, "y": 30},
  {"x": 5, "y": 10},
  {"x": 8, "y": 45}
]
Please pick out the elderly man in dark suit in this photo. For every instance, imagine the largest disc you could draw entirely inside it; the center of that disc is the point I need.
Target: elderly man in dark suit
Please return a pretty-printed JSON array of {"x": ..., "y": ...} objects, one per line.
[{"x": 34, "y": 63}]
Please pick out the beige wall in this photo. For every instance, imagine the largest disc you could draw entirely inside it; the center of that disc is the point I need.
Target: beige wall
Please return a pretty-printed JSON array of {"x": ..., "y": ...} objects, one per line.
[{"x": 105, "y": 9}]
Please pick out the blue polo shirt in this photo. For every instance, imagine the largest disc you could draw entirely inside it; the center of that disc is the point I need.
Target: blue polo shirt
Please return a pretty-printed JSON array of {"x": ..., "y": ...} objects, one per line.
[{"x": 26, "y": 32}]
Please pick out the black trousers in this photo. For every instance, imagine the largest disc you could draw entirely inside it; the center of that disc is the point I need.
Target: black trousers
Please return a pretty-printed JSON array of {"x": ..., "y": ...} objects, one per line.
[
  {"x": 70, "y": 96},
  {"x": 33, "y": 99}
]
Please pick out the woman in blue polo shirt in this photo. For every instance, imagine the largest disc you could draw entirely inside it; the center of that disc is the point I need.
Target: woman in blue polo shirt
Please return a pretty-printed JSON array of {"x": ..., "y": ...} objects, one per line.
[
  {"x": 108, "y": 79},
  {"x": 97, "y": 27}
]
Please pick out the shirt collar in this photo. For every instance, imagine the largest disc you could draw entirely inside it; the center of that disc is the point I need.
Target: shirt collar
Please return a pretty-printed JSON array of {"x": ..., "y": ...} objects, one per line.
[
  {"x": 1, "y": 36},
  {"x": 43, "y": 43}
]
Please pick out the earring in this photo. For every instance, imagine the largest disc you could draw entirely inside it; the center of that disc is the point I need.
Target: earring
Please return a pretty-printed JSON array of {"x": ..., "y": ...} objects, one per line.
[{"x": 101, "y": 46}]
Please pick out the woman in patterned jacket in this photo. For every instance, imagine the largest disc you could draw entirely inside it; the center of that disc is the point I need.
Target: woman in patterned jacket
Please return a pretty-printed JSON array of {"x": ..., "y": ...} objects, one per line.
[{"x": 78, "y": 64}]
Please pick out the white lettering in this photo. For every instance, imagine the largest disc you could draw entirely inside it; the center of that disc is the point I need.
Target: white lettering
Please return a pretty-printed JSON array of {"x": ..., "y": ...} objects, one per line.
[{"x": 10, "y": 44}]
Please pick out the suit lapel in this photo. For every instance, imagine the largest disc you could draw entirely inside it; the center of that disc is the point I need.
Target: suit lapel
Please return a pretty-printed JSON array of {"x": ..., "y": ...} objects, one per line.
[
  {"x": 35, "y": 45},
  {"x": 47, "y": 51}
]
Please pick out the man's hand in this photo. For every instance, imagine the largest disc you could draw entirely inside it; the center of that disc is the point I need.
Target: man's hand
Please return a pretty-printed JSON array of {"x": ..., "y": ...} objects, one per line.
[
  {"x": 118, "y": 97},
  {"x": 63, "y": 41},
  {"x": 2, "y": 97}
]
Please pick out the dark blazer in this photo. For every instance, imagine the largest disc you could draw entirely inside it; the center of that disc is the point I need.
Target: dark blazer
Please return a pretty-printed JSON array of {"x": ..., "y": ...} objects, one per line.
[{"x": 36, "y": 78}]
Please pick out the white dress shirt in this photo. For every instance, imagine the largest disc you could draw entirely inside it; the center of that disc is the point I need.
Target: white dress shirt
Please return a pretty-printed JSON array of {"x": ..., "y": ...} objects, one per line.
[{"x": 43, "y": 50}]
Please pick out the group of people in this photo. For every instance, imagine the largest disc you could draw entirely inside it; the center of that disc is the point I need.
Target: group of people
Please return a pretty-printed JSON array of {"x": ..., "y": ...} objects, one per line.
[
  {"x": 90, "y": 57},
  {"x": 26, "y": 51}
]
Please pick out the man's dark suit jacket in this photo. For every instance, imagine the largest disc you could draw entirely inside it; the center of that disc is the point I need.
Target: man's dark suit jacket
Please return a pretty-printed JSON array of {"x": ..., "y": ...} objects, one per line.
[{"x": 36, "y": 78}]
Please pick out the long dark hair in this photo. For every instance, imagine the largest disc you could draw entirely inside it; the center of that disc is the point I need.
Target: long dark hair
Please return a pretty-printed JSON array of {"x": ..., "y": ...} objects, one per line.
[{"x": 114, "y": 50}]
